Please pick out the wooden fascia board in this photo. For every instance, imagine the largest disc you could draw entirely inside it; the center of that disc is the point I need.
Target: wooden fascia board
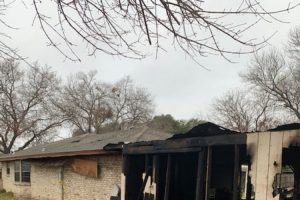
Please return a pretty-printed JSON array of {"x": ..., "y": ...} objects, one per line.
[{"x": 56, "y": 155}]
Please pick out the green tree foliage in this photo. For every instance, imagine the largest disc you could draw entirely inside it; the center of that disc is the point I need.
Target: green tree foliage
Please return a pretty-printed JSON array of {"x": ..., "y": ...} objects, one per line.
[{"x": 168, "y": 124}]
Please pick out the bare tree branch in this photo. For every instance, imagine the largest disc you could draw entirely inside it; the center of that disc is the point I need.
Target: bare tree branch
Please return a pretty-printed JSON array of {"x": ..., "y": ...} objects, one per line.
[
  {"x": 123, "y": 27},
  {"x": 131, "y": 105},
  {"x": 26, "y": 104},
  {"x": 93, "y": 106},
  {"x": 244, "y": 111},
  {"x": 277, "y": 76}
]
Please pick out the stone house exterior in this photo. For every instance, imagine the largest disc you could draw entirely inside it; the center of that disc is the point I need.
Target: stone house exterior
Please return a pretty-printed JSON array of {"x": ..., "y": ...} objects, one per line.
[{"x": 77, "y": 168}]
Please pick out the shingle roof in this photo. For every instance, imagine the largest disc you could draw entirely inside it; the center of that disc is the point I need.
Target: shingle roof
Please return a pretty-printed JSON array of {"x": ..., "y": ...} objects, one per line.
[
  {"x": 88, "y": 143},
  {"x": 286, "y": 127},
  {"x": 205, "y": 129}
]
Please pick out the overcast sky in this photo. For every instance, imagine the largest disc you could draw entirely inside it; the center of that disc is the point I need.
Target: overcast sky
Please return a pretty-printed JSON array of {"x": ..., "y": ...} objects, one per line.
[{"x": 179, "y": 86}]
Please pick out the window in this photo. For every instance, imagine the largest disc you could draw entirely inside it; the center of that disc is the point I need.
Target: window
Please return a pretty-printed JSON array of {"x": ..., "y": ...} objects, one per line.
[
  {"x": 17, "y": 171},
  {"x": 25, "y": 176},
  {"x": 284, "y": 185},
  {"x": 22, "y": 171},
  {"x": 7, "y": 168}
]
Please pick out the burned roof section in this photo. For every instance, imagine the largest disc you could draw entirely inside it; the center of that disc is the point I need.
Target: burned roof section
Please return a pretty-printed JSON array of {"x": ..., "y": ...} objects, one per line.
[
  {"x": 203, "y": 130},
  {"x": 286, "y": 127},
  {"x": 87, "y": 144}
]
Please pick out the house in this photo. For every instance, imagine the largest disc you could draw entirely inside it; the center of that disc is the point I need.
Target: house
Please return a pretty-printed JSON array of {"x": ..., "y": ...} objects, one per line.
[
  {"x": 213, "y": 163},
  {"x": 208, "y": 162},
  {"x": 77, "y": 168}
]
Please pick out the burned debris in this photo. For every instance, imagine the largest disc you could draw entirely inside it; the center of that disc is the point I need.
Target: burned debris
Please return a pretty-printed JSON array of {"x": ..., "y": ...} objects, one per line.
[
  {"x": 188, "y": 167},
  {"x": 214, "y": 163}
]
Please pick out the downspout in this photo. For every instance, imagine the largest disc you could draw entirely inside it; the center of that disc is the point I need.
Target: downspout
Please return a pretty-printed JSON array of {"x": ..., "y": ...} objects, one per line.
[{"x": 61, "y": 181}]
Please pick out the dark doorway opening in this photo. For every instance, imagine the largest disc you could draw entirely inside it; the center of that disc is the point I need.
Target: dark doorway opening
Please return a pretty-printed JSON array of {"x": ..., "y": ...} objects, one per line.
[
  {"x": 211, "y": 173},
  {"x": 288, "y": 181}
]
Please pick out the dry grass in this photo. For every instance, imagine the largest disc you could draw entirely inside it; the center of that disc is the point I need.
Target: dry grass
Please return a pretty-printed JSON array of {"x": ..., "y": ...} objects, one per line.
[{"x": 6, "y": 196}]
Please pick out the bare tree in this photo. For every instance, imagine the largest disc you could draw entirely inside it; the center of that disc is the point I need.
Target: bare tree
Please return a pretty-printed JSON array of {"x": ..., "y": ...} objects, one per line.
[
  {"x": 272, "y": 73},
  {"x": 274, "y": 93},
  {"x": 27, "y": 113},
  {"x": 93, "y": 106},
  {"x": 244, "y": 112},
  {"x": 121, "y": 27},
  {"x": 84, "y": 100},
  {"x": 131, "y": 105},
  {"x": 293, "y": 46}
]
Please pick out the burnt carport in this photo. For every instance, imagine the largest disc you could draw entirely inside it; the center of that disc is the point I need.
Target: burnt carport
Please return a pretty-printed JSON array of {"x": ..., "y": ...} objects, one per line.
[{"x": 203, "y": 164}]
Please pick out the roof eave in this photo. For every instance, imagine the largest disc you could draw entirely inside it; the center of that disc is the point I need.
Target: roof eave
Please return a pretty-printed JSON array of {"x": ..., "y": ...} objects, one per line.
[{"x": 57, "y": 155}]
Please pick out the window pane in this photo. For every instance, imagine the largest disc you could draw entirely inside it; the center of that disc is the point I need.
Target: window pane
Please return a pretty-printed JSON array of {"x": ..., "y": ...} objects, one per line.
[
  {"x": 17, "y": 176},
  {"x": 17, "y": 166},
  {"x": 17, "y": 171},
  {"x": 25, "y": 166},
  {"x": 7, "y": 168},
  {"x": 25, "y": 176}
]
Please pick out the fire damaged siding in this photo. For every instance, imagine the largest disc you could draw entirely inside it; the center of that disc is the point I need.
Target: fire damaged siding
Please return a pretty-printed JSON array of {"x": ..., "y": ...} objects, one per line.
[
  {"x": 265, "y": 149},
  {"x": 231, "y": 166}
]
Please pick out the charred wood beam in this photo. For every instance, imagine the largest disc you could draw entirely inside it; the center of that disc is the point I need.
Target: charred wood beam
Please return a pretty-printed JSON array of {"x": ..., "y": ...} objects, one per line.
[
  {"x": 156, "y": 174},
  {"x": 176, "y": 180},
  {"x": 236, "y": 173},
  {"x": 208, "y": 172},
  {"x": 183, "y": 145},
  {"x": 125, "y": 164},
  {"x": 147, "y": 162},
  {"x": 125, "y": 170},
  {"x": 200, "y": 175},
  {"x": 168, "y": 177},
  {"x": 140, "y": 195}
]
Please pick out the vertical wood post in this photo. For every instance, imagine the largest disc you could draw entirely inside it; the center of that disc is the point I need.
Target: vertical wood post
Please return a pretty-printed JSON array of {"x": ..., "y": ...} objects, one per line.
[
  {"x": 200, "y": 176},
  {"x": 142, "y": 189},
  {"x": 123, "y": 186},
  {"x": 168, "y": 177},
  {"x": 208, "y": 171},
  {"x": 125, "y": 172},
  {"x": 236, "y": 172},
  {"x": 176, "y": 180},
  {"x": 147, "y": 162},
  {"x": 156, "y": 176},
  {"x": 125, "y": 164}
]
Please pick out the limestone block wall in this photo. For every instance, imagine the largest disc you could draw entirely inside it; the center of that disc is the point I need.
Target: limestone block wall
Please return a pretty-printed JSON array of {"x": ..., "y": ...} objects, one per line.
[
  {"x": 46, "y": 182},
  {"x": 78, "y": 187},
  {"x": 21, "y": 190}
]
